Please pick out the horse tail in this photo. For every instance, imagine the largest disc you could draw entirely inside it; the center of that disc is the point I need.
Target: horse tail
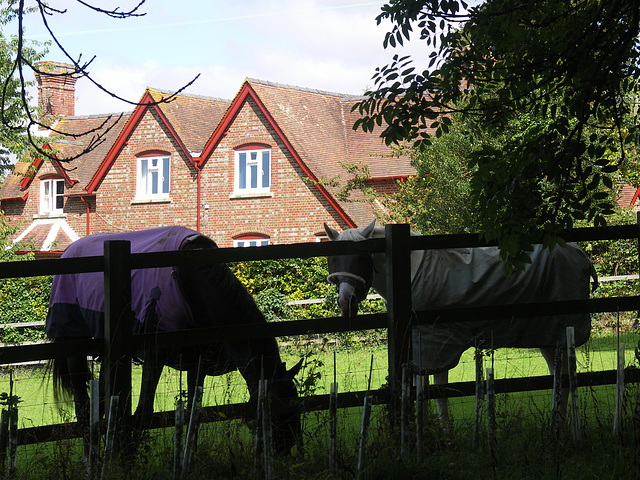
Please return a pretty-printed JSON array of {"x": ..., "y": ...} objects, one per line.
[{"x": 65, "y": 373}]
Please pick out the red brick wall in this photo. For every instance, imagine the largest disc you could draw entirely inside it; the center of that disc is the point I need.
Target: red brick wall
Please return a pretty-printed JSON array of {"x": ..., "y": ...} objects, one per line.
[
  {"x": 116, "y": 207},
  {"x": 293, "y": 212},
  {"x": 23, "y": 213},
  {"x": 56, "y": 91}
]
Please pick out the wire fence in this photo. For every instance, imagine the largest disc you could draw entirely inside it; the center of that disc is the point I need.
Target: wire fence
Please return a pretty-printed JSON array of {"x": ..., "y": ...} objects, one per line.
[{"x": 352, "y": 374}]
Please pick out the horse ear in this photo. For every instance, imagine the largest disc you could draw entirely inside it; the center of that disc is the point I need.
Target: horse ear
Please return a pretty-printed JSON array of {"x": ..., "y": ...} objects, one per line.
[
  {"x": 293, "y": 371},
  {"x": 331, "y": 233},
  {"x": 368, "y": 230}
]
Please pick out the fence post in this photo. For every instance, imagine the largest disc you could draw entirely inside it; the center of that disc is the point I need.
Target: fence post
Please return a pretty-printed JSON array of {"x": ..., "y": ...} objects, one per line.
[
  {"x": 573, "y": 384},
  {"x": 117, "y": 333},
  {"x": 398, "y": 306}
]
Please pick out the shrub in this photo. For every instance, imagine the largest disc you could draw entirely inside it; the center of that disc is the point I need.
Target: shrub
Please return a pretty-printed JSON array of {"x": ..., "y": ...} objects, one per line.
[{"x": 21, "y": 299}]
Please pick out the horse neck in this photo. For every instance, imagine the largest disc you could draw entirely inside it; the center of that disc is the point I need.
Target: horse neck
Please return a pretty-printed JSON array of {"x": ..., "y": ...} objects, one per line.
[
  {"x": 380, "y": 270},
  {"x": 263, "y": 362}
]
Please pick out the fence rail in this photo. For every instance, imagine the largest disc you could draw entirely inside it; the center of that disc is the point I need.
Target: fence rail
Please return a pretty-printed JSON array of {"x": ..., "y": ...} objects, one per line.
[{"x": 117, "y": 263}]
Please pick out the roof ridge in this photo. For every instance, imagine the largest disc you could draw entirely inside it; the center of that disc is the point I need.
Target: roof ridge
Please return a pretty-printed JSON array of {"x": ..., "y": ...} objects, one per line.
[
  {"x": 301, "y": 89},
  {"x": 190, "y": 95},
  {"x": 96, "y": 115}
]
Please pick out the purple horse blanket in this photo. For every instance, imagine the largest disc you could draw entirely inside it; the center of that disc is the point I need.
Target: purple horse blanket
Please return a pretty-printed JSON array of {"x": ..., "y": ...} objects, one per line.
[{"x": 76, "y": 307}]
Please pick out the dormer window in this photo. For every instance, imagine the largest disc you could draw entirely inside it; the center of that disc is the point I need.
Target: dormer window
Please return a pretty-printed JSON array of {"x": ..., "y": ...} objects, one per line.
[
  {"x": 51, "y": 196},
  {"x": 153, "y": 177},
  {"x": 252, "y": 170}
]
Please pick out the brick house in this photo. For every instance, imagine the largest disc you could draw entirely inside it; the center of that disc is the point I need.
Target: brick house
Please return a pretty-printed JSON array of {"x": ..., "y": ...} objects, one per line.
[{"x": 262, "y": 168}]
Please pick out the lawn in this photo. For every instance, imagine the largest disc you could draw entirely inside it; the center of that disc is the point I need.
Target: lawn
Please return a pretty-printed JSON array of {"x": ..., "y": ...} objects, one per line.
[
  {"x": 352, "y": 366},
  {"x": 229, "y": 444}
]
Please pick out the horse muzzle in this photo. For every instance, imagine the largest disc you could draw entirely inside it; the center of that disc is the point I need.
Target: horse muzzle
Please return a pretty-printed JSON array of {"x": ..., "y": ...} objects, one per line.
[{"x": 347, "y": 300}]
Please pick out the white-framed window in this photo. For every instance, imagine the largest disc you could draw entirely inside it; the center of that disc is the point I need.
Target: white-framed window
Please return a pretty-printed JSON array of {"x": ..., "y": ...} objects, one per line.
[
  {"x": 250, "y": 241},
  {"x": 51, "y": 196},
  {"x": 153, "y": 177},
  {"x": 252, "y": 170}
]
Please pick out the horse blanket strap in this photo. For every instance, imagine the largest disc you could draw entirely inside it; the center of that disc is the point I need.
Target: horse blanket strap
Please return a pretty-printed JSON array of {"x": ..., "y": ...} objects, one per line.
[
  {"x": 150, "y": 320},
  {"x": 467, "y": 277},
  {"x": 155, "y": 292}
]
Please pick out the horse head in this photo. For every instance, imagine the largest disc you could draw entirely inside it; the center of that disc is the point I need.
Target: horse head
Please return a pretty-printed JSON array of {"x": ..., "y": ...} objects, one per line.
[
  {"x": 282, "y": 396},
  {"x": 351, "y": 274},
  {"x": 285, "y": 414}
]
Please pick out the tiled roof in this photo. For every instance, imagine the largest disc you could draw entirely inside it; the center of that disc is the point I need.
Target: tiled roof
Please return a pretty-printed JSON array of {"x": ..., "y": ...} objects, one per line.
[
  {"x": 627, "y": 196},
  {"x": 48, "y": 234},
  {"x": 11, "y": 187},
  {"x": 319, "y": 126},
  {"x": 87, "y": 129},
  {"x": 81, "y": 132},
  {"x": 194, "y": 117}
]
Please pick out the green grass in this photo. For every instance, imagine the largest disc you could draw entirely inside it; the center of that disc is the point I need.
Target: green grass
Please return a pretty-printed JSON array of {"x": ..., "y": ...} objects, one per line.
[
  {"x": 227, "y": 448},
  {"x": 352, "y": 367}
]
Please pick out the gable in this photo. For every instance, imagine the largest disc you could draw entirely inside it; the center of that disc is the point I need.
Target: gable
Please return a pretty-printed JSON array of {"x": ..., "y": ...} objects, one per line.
[
  {"x": 316, "y": 129},
  {"x": 187, "y": 119},
  {"x": 248, "y": 94}
]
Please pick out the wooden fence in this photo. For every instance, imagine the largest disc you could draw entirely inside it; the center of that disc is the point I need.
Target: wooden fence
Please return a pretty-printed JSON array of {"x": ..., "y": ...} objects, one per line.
[{"x": 118, "y": 343}]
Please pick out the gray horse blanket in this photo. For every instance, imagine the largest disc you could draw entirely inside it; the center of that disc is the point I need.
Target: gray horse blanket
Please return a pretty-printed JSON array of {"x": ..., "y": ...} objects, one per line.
[
  {"x": 469, "y": 277},
  {"x": 76, "y": 307}
]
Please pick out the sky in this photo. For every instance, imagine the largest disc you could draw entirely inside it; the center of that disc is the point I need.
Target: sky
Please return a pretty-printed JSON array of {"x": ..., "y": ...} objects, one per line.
[{"x": 332, "y": 45}]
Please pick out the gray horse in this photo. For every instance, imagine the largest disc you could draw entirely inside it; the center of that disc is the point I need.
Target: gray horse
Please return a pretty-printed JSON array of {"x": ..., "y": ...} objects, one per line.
[{"x": 467, "y": 277}]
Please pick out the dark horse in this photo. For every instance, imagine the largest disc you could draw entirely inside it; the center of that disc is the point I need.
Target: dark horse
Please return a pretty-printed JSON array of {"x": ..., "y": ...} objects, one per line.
[{"x": 170, "y": 299}]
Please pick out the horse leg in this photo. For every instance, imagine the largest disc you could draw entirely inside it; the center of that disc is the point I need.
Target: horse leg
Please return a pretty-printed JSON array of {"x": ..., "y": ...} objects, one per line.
[
  {"x": 78, "y": 373},
  {"x": 151, "y": 372},
  {"x": 549, "y": 354},
  {"x": 442, "y": 378}
]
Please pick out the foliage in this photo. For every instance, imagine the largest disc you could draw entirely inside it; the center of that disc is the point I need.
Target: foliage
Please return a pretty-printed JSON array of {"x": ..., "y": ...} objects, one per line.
[
  {"x": 21, "y": 299},
  {"x": 437, "y": 200},
  {"x": 295, "y": 278},
  {"x": 14, "y": 135},
  {"x": 275, "y": 283},
  {"x": 572, "y": 66},
  {"x": 274, "y": 304},
  {"x": 615, "y": 257}
]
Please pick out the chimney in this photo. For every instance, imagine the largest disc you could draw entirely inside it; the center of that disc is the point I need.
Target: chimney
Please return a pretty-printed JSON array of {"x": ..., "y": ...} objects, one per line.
[{"x": 56, "y": 90}]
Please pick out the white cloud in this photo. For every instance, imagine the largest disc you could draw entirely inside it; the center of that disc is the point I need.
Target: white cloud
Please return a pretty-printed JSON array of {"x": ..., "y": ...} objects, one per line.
[{"x": 332, "y": 45}]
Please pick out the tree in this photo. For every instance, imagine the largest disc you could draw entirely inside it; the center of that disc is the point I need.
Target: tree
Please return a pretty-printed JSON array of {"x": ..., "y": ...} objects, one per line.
[
  {"x": 14, "y": 135},
  {"x": 437, "y": 200},
  {"x": 570, "y": 66},
  {"x": 20, "y": 58},
  {"x": 21, "y": 299}
]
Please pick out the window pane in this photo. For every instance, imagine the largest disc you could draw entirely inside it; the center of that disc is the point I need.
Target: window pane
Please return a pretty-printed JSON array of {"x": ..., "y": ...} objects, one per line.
[
  {"x": 154, "y": 182},
  {"x": 265, "y": 169},
  {"x": 60, "y": 187},
  {"x": 242, "y": 170},
  {"x": 165, "y": 175},
  {"x": 46, "y": 196},
  {"x": 254, "y": 175},
  {"x": 144, "y": 169}
]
